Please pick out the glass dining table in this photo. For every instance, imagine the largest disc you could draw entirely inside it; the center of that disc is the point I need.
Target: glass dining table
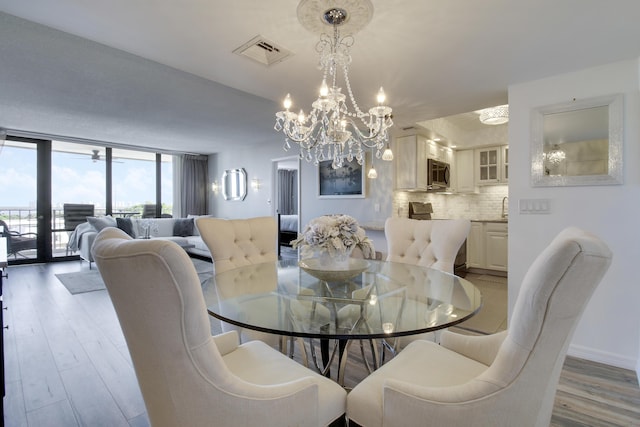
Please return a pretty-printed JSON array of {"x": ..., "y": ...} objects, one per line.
[{"x": 371, "y": 301}]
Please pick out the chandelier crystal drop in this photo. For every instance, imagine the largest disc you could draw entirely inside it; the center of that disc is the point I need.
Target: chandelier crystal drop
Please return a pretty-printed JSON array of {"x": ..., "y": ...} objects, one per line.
[
  {"x": 555, "y": 156},
  {"x": 331, "y": 131}
]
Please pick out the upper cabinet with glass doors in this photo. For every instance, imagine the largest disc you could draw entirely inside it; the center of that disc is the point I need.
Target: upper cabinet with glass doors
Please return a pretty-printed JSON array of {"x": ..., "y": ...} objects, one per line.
[{"x": 492, "y": 165}]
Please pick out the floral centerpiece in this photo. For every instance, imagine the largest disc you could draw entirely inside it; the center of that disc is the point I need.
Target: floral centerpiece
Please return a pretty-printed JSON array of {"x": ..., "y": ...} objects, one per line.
[
  {"x": 333, "y": 236},
  {"x": 148, "y": 227}
]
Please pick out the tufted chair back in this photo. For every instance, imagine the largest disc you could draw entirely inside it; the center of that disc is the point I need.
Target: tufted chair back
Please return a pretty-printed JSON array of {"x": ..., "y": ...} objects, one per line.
[
  {"x": 187, "y": 376},
  {"x": 237, "y": 242},
  {"x": 505, "y": 379},
  {"x": 156, "y": 293},
  {"x": 428, "y": 243}
]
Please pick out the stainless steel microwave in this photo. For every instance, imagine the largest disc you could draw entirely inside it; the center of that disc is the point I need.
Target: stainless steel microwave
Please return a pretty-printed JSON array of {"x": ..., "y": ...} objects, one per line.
[{"x": 438, "y": 174}]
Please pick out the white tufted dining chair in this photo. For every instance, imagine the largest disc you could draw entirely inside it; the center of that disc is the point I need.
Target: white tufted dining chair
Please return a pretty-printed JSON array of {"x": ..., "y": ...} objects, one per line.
[
  {"x": 505, "y": 379},
  {"x": 428, "y": 243},
  {"x": 235, "y": 243},
  {"x": 187, "y": 376}
]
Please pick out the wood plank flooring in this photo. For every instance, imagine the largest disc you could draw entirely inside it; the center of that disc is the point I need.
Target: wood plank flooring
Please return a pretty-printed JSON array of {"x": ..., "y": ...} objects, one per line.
[{"x": 67, "y": 364}]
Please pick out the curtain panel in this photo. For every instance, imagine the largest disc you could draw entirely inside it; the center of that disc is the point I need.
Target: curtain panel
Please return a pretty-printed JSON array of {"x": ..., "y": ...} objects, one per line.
[
  {"x": 194, "y": 185},
  {"x": 288, "y": 191}
]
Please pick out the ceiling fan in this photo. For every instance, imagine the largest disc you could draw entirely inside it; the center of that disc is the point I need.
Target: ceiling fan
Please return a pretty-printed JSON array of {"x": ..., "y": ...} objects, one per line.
[{"x": 96, "y": 156}]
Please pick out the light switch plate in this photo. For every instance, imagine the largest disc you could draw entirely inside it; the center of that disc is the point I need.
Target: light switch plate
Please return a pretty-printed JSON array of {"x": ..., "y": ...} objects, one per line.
[{"x": 534, "y": 206}]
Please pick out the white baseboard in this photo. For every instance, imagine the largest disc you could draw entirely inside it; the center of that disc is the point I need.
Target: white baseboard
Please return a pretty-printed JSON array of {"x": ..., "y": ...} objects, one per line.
[{"x": 604, "y": 357}]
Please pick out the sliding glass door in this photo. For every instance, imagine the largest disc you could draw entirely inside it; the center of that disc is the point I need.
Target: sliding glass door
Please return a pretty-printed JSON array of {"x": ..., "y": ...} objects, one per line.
[
  {"x": 48, "y": 187},
  {"x": 19, "y": 200},
  {"x": 78, "y": 183}
]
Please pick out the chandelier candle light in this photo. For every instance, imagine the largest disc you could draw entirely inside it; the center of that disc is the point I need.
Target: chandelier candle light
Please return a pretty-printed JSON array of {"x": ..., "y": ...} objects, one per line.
[{"x": 331, "y": 131}]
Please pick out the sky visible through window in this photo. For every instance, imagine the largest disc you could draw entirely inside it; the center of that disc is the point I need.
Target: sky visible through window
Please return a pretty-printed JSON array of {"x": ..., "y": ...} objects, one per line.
[{"x": 76, "y": 178}]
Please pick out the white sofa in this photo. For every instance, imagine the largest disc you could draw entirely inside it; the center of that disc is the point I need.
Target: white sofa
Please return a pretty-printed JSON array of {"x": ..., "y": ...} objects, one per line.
[{"x": 180, "y": 230}]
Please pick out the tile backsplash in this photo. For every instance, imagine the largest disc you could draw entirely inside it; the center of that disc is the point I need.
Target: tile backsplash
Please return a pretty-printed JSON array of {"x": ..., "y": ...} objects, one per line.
[{"x": 485, "y": 205}]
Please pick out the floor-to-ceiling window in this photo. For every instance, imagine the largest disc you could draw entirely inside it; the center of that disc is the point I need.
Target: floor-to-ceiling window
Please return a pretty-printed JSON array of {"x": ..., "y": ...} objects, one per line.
[
  {"x": 141, "y": 178},
  {"x": 134, "y": 180},
  {"x": 78, "y": 177},
  {"x": 39, "y": 177},
  {"x": 18, "y": 198}
]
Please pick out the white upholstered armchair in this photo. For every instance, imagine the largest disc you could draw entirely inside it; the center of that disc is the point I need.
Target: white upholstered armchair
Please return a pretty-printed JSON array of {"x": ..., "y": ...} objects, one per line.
[
  {"x": 505, "y": 379},
  {"x": 187, "y": 376}
]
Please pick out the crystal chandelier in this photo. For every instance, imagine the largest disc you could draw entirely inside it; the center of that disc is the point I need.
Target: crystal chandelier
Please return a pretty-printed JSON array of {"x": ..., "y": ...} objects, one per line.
[
  {"x": 331, "y": 131},
  {"x": 495, "y": 115},
  {"x": 555, "y": 155}
]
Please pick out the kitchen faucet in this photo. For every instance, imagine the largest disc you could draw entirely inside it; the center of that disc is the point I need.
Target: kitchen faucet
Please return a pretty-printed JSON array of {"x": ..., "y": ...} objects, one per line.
[{"x": 504, "y": 213}]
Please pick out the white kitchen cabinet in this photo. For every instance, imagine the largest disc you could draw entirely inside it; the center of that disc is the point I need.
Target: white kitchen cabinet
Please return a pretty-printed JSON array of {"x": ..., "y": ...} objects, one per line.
[
  {"x": 411, "y": 162},
  {"x": 475, "y": 246},
  {"x": 434, "y": 150},
  {"x": 439, "y": 152},
  {"x": 412, "y": 153},
  {"x": 505, "y": 163},
  {"x": 496, "y": 247},
  {"x": 490, "y": 165},
  {"x": 487, "y": 246},
  {"x": 464, "y": 172},
  {"x": 447, "y": 155}
]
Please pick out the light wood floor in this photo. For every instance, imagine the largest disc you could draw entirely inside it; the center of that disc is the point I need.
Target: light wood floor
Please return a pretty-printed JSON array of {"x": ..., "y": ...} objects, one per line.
[{"x": 67, "y": 364}]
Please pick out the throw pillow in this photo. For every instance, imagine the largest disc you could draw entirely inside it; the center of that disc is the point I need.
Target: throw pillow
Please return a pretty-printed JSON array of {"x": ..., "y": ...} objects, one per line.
[
  {"x": 196, "y": 232},
  {"x": 183, "y": 227},
  {"x": 100, "y": 222},
  {"x": 125, "y": 225}
]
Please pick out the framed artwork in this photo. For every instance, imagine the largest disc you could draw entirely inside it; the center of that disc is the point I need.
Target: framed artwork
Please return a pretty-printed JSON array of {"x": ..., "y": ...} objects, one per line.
[{"x": 348, "y": 181}]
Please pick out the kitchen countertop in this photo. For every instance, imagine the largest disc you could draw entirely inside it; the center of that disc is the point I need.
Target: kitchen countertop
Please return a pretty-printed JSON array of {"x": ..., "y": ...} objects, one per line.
[
  {"x": 379, "y": 225},
  {"x": 373, "y": 225}
]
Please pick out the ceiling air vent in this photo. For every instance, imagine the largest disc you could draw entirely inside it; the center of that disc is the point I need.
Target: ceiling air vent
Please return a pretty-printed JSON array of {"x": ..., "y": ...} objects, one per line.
[{"x": 263, "y": 50}]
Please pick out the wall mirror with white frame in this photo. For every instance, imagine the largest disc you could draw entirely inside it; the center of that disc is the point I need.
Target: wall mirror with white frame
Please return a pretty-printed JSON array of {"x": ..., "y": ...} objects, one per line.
[
  {"x": 578, "y": 143},
  {"x": 234, "y": 184}
]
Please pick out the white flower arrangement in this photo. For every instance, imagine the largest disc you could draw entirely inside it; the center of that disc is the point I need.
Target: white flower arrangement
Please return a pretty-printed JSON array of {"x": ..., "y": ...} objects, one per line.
[
  {"x": 334, "y": 235},
  {"x": 148, "y": 227}
]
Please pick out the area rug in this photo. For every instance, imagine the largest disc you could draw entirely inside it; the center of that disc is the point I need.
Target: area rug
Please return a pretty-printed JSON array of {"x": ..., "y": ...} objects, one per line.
[{"x": 90, "y": 280}]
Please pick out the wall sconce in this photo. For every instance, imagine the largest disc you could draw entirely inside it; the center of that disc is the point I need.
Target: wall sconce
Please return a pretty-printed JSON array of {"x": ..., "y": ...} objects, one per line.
[
  {"x": 215, "y": 187},
  {"x": 255, "y": 184}
]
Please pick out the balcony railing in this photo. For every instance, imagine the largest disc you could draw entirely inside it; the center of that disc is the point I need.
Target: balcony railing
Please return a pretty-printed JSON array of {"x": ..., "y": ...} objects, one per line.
[{"x": 25, "y": 220}]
